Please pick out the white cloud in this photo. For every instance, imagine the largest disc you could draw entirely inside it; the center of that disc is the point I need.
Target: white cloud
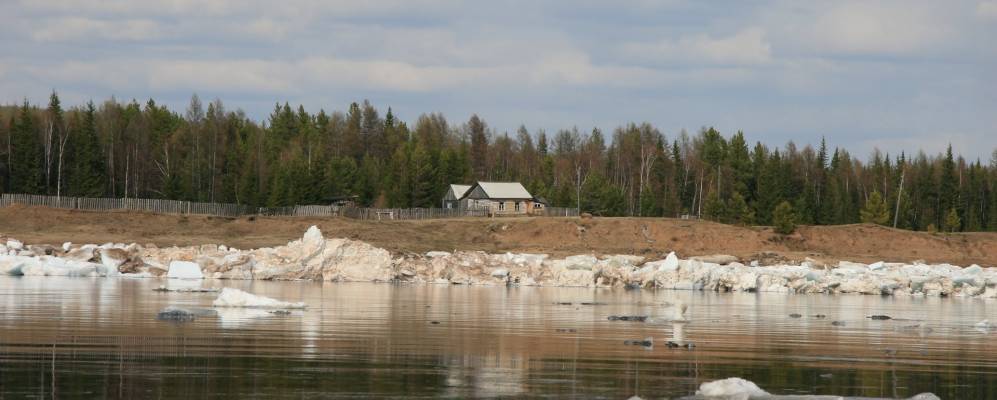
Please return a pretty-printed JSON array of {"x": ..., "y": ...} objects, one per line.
[
  {"x": 79, "y": 29},
  {"x": 747, "y": 47},
  {"x": 878, "y": 28},
  {"x": 987, "y": 10}
]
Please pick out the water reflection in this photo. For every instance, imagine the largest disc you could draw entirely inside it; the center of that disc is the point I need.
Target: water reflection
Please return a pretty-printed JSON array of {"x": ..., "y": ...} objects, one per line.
[{"x": 85, "y": 338}]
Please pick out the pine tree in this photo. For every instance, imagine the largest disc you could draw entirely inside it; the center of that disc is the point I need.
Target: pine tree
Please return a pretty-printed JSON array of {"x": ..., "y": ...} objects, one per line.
[
  {"x": 875, "y": 210},
  {"x": 952, "y": 221},
  {"x": 739, "y": 211},
  {"x": 784, "y": 218}
]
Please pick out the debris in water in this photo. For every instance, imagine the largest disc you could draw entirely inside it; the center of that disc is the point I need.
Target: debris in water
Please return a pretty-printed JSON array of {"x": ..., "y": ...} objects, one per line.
[
  {"x": 826, "y": 376},
  {"x": 434, "y": 322},
  {"x": 175, "y": 314},
  {"x": 163, "y": 288},
  {"x": 565, "y": 330},
  {"x": 592, "y": 303},
  {"x": 880, "y": 317},
  {"x": 647, "y": 342},
  {"x": 820, "y": 316},
  {"x": 795, "y": 315},
  {"x": 634, "y": 318},
  {"x": 280, "y": 312},
  {"x": 563, "y": 303},
  {"x": 838, "y": 323},
  {"x": 984, "y": 326}
]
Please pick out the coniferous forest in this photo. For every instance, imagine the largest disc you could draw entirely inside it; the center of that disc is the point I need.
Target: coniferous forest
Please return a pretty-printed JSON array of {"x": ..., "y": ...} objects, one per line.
[{"x": 211, "y": 154}]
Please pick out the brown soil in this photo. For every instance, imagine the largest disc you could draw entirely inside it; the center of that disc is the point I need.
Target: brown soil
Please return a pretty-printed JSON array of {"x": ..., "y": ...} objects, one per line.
[{"x": 559, "y": 236}]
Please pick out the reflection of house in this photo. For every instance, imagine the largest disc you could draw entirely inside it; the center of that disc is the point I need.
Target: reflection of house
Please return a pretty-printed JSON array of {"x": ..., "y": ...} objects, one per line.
[{"x": 499, "y": 198}]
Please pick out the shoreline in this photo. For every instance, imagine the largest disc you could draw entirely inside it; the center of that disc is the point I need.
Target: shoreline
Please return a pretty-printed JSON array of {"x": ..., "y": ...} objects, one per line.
[{"x": 313, "y": 257}]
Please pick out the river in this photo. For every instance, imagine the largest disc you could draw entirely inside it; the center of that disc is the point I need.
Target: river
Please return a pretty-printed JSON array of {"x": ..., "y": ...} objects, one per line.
[{"x": 100, "y": 338}]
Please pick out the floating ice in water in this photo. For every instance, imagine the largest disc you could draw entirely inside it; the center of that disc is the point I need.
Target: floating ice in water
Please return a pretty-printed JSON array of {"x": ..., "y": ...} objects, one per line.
[
  {"x": 184, "y": 270},
  {"x": 235, "y": 318},
  {"x": 731, "y": 388},
  {"x": 984, "y": 326},
  {"x": 230, "y": 297},
  {"x": 674, "y": 312},
  {"x": 742, "y": 389}
]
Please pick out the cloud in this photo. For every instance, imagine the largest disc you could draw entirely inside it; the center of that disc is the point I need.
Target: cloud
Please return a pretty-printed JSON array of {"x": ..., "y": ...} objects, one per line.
[
  {"x": 879, "y": 28},
  {"x": 987, "y": 10},
  {"x": 746, "y": 47},
  {"x": 78, "y": 29}
]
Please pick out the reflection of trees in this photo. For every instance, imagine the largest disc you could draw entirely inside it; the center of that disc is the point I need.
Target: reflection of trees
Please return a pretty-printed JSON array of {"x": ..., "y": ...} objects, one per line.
[{"x": 490, "y": 342}]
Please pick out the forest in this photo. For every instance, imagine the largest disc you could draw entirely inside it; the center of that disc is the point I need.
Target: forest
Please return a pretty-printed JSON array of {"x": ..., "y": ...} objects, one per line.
[{"x": 211, "y": 154}]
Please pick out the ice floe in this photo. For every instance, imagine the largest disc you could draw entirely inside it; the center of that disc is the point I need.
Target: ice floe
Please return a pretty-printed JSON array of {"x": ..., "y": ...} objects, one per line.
[
  {"x": 230, "y": 297},
  {"x": 742, "y": 389}
]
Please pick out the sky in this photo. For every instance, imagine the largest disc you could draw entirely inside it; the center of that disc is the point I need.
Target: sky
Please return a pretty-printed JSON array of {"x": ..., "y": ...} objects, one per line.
[{"x": 893, "y": 75}]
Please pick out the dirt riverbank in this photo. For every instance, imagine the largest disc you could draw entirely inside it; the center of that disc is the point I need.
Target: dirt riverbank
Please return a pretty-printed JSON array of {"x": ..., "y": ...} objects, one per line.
[{"x": 557, "y": 236}]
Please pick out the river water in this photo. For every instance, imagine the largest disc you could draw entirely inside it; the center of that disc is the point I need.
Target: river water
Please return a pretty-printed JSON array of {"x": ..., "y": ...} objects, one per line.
[{"x": 100, "y": 338}]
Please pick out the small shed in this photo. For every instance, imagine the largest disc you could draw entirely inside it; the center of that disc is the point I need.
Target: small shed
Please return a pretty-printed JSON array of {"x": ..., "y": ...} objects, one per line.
[{"x": 454, "y": 194}]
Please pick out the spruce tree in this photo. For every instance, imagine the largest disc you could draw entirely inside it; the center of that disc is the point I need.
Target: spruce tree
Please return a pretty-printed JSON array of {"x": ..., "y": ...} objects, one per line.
[
  {"x": 26, "y": 154},
  {"x": 423, "y": 179},
  {"x": 875, "y": 210},
  {"x": 88, "y": 171}
]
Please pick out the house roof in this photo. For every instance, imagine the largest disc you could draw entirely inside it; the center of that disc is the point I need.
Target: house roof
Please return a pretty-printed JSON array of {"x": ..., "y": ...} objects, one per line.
[
  {"x": 459, "y": 190},
  {"x": 505, "y": 190}
]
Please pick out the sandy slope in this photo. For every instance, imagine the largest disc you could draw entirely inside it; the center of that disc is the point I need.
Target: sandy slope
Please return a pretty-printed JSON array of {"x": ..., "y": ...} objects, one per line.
[{"x": 559, "y": 236}]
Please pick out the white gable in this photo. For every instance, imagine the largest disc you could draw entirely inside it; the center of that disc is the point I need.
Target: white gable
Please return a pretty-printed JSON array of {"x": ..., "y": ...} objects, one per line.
[{"x": 459, "y": 190}]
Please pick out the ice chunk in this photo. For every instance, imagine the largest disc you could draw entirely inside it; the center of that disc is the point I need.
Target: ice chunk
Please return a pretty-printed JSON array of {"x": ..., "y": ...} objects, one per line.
[
  {"x": 236, "y": 298},
  {"x": 66, "y": 246},
  {"x": 984, "y": 326},
  {"x": 877, "y": 265},
  {"x": 14, "y": 244},
  {"x": 54, "y": 266},
  {"x": 14, "y": 265},
  {"x": 500, "y": 273},
  {"x": 434, "y": 254},
  {"x": 580, "y": 262},
  {"x": 670, "y": 263},
  {"x": 184, "y": 270},
  {"x": 731, "y": 388}
]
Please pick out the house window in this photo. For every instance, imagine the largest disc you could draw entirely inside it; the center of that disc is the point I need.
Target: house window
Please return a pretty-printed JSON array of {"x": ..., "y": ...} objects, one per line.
[
  {"x": 501, "y": 206},
  {"x": 518, "y": 206}
]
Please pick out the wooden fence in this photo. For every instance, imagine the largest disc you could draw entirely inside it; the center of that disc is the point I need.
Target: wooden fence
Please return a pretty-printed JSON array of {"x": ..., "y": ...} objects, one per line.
[
  {"x": 379, "y": 214},
  {"x": 236, "y": 210},
  {"x": 559, "y": 212}
]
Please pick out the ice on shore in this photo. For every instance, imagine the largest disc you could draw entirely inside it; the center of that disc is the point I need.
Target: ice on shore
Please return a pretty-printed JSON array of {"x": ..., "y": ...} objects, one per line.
[
  {"x": 184, "y": 270},
  {"x": 230, "y": 297},
  {"x": 314, "y": 257}
]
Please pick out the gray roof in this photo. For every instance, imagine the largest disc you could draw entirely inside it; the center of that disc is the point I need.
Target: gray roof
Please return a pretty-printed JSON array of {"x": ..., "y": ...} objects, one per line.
[
  {"x": 505, "y": 190},
  {"x": 459, "y": 190}
]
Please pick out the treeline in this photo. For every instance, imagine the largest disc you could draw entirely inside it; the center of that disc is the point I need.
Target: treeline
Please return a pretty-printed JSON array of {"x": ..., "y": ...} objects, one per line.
[{"x": 209, "y": 153}]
